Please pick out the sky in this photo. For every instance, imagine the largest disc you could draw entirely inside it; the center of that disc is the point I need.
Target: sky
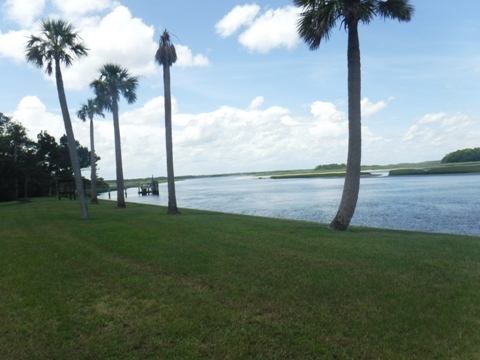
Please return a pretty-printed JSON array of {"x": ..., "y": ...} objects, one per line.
[{"x": 247, "y": 93}]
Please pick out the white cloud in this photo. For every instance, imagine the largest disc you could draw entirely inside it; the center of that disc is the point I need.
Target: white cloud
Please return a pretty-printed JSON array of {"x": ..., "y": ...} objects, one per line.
[
  {"x": 118, "y": 38},
  {"x": 121, "y": 38},
  {"x": 273, "y": 29},
  {"x": 369, "y": 108},
  {"x": 185, "y": 58},
  {"x": 328, "y": 121},
  {"x": 231, "y": 139},
  {"x": 439, "y": 134},
  {"x": 23, "y": 12},
  {"x": 432, "y": 118},
  {"x": 256, "y": 103},
  {"x": 237, "y": 17},
  {"x": 32, "y": 113},
  {"x": 74, "y": 8},
  {"x": 12, "y": 45}
]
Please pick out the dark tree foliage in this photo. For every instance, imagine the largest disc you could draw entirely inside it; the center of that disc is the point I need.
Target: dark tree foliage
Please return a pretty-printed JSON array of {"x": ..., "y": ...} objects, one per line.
[
  {"x": 464, "y": 155},
  {"x": 331, "y": 167},
  {"x": 83, "y": 155},
  {"x": 29, "y": 168}
]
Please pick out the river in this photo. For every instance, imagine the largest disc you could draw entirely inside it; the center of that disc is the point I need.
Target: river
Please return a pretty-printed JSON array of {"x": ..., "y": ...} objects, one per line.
[{"x": 432, "y": 203}]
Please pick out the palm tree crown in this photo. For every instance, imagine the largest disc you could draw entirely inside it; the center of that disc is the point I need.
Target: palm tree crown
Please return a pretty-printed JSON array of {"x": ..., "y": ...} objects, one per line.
[
  {"x": 89, "y": 109},
  {"x": 113, "y": 81},
  {"x": 166, "y": 54},
  {"x": 319, "y": 17},
  {"x": 57, "y": 41}
]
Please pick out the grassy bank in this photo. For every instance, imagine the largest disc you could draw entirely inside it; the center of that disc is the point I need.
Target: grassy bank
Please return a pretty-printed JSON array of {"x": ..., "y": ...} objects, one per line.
[
  {"x": 316, "y": 175},
  {"x": 421, "y": 169},
  {"x": 445, "y": 169},
  {"x": 136, "y": 283}
]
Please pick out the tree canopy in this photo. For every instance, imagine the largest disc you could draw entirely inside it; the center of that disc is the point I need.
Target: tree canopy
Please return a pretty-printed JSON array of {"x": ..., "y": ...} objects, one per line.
[
  {"x": 464, "y": 155},
  {"x": 31, "y": 168}
]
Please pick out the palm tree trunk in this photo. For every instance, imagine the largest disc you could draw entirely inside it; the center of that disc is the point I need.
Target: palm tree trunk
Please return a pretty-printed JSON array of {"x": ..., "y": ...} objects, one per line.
[
  {"x": 15, "y": 156},
  {"x": 25, "y": 187},
  {"x": 93, "y": 176},
  {"x": 352, "y": 179},
  {"x": 172, "y": 198},
  {"x": 72, "y": 147},
  {"x": 118, "y": 155}
]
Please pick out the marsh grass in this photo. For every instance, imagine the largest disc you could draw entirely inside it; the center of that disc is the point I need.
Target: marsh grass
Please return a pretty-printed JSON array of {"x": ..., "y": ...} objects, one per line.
[
  {"x": 136, "y": 283},
  {"x": 317, "y": 175},
  {"x": 445, "y": 169}
]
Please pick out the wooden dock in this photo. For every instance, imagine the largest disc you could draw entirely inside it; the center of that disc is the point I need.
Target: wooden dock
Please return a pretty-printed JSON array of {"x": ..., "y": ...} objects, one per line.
[{"x": 149, "y": 189}]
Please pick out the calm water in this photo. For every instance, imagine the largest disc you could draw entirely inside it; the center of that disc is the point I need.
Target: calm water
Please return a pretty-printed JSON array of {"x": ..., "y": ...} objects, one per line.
[{"x": 434, "y": 203}]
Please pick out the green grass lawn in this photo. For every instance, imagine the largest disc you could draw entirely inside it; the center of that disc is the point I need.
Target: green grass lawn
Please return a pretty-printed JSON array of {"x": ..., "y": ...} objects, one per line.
[{"x": 136, "y": 283}]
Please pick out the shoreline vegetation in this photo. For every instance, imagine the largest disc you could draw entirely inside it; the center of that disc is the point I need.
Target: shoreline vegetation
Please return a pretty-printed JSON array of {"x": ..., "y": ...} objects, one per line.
[
  {"x": 138, "y": 283},
  {"x": 442, "y": 169},
  {"x": 424, "y": 168}
]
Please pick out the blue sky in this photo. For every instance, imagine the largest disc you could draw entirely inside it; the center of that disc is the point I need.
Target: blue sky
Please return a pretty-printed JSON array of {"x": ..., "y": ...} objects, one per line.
[{"x": 248, "y": 94}]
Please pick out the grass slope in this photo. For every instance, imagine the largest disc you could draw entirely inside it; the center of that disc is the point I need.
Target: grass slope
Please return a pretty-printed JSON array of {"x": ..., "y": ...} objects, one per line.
[
  {"x": 445, "y": 169},
  {"x": 136, "y": 283}
]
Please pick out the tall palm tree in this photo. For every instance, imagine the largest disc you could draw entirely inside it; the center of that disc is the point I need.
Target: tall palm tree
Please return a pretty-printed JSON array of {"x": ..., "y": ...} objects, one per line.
[
  {"x": 113, "y": 82},
  {"x": 90, "y": 109},
  {"x": 317, "y": 20},
  {"x": 58, "y": 43},
  {"x": 167, "y": 56}
]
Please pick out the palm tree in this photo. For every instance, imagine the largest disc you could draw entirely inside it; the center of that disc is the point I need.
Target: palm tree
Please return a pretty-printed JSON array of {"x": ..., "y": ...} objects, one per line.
[
  {"x": 317, "y": 20},
  {"x": 90, "y": 109},
  {"x": 167, "y": 56},
  {"x": 58, "y": 44},
  {"x": 113, "y": 82}
]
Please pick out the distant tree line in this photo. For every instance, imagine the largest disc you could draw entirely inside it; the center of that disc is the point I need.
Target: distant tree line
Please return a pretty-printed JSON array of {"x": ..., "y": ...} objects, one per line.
[
  {"x": 464, "y": 155},
  {"x": 331, "y": 167},
  {"x": 29, "y": 168}
]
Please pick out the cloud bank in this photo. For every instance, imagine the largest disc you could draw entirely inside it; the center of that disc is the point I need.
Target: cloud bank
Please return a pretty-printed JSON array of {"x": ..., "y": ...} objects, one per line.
[{"x": 274, "y": 28}]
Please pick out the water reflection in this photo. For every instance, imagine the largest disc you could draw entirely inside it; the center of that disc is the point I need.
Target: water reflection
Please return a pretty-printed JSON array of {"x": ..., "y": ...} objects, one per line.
[{"x": 434, "y": 203}]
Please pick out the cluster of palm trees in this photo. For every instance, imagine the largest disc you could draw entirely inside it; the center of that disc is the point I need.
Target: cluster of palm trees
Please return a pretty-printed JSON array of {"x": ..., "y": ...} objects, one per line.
[{"x": 57, "y": 44}]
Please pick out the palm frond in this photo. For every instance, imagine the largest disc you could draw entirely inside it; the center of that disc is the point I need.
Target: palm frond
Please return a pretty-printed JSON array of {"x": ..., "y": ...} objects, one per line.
[
  {"x": 363, "y": 11},
  {"x": 103, "y": 96},
  {"x": 401, "y": 10},
  {"x": 317, "y": 20},
  {"x": 128, "y": 89}
]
